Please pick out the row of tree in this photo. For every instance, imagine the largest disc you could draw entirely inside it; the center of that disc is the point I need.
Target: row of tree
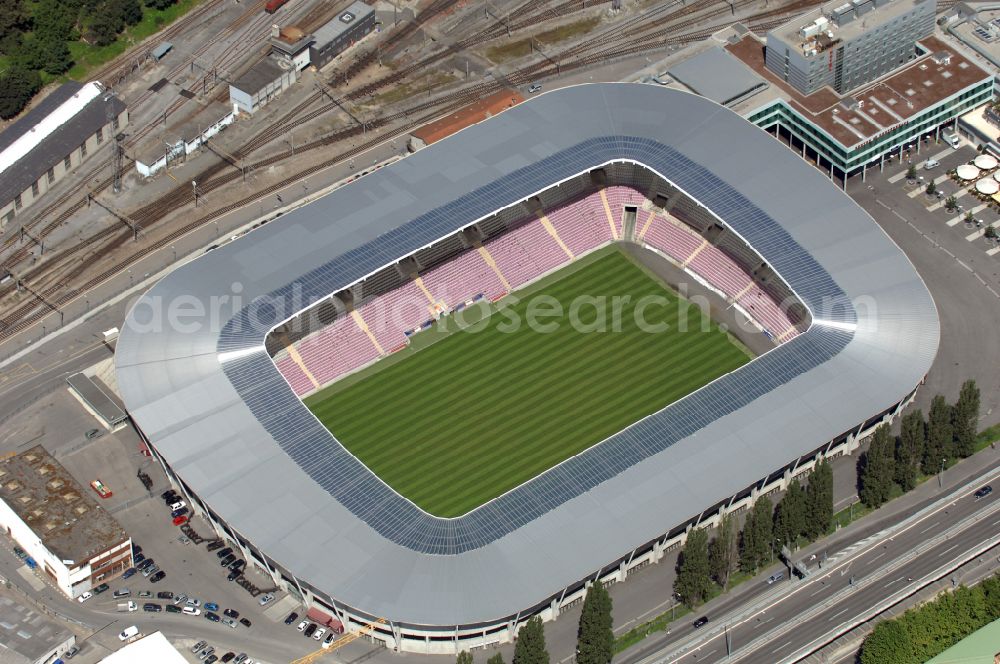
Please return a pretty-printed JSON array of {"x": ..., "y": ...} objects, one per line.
[
  {"x": 925, "y": 446},
  {"x": 35, "y": 38},
  {"x": 595, "y": 641},
  {"x": 928, "y": 630},
  {"x": 803, "y": 513}
]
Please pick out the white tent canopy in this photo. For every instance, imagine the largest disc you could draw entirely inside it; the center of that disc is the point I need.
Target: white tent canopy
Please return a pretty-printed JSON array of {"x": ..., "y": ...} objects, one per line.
[
  {"x": 986, "y": 162},
  {"x": 967, "y": 172},
  {"x": 987, "y": 186}
]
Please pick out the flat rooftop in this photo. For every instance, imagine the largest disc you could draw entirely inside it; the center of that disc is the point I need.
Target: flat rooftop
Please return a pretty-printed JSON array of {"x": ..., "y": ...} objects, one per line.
[
  {"x": 883, "y": 104},
  {"x": 718, "y": 75},
  {"x": 468, "y": 115},
  {"x": 860, "y": 16},
  {"x": 25, "y": 634},
  {"x": 341, "y": 23},
  {"x": 64, "y": 514}
]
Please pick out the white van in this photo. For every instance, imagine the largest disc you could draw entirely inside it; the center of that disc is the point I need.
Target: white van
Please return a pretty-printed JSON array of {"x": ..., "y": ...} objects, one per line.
[
  {"x": 951, "y": 139},
  {"x": 931, "y": 163},
  {"x": 128, "y": 633}
]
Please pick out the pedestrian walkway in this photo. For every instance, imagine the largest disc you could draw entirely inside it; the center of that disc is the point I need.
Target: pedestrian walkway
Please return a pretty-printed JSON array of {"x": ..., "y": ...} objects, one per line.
[
  {"x": 980, "y": 232},
  {"x": 920, "y": 165},
  {"x": 955, "y": 221}
]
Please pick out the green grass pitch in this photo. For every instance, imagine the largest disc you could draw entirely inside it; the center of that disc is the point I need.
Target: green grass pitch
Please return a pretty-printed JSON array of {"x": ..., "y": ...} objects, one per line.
[{"x": 479, "y": 411}]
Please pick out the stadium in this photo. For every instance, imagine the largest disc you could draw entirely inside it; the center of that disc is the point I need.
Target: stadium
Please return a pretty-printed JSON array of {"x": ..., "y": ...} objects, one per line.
[{"x": 450, "y": 484}]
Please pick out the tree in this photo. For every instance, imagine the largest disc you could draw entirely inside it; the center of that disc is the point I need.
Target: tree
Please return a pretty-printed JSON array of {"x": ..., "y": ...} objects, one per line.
[
  {"x": 819, "y": 501},
  {"x": 950, "y": 203},
  {"x": 129, "y": 11},
  {"x": 103, "y": 28},
  {"x": 969, "y": 217},
  {"x": 911, "y": 172},
  {"x": 530, "y": 648},
  {"x": 693, "y": 583},
  {"x": 722, "y": 553},
  {"x": 464, "y": 657},
  {"x": 877, "y": 469},
  {"x": 910, "y": 448},
  {"x": 965, "y": 419},
  {"x": 595, "y": 641},
  {"x": 889, "y": 643},
  {"x": 163, "y": 4},
  {"x": 45, "y": 53},
  {"x": 54, "y": 20},
  {"x": 495, "y": 659},
  {"x": 931, "y": 188},
  {"x": 13, "y": 18},
  {"x": 757, "y": 536},
  {"x": 939, "y": 436},
  {"x": 790, "y": 516},
  {"x": 991, "y": 233},
  {"x": 17, "y": 87}
]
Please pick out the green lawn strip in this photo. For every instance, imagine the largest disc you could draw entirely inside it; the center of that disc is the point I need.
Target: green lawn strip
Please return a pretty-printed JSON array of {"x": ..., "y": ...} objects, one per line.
[{"x": 438, "y": 428}]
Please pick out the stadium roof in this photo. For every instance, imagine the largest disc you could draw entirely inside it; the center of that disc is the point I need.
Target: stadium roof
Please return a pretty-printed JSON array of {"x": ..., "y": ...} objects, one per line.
[{"x": 208, "y": 397}]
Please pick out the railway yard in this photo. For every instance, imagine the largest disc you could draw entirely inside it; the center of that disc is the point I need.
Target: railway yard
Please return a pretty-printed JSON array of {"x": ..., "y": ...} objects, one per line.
[{"x": 427, "y": 59}]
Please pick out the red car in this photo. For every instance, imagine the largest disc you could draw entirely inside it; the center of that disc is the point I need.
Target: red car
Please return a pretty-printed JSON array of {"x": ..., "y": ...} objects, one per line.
[
  {"x": 180, "y": 520},
  {"x": 102, "y": 491}
]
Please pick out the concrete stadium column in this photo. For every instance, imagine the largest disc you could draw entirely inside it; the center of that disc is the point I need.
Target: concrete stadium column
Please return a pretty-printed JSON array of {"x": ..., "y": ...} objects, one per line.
[
  {"x": 397, "y": 637},
  {"x": 658, "y": 551},
  {"x": 623, "y": 570},
  {"x": 881, "y": 162},
  {"x": 554, "y": 608}
]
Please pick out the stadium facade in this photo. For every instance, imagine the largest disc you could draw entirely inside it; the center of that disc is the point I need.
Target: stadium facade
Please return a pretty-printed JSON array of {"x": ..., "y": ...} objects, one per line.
[{"x": 232, "y": 434}]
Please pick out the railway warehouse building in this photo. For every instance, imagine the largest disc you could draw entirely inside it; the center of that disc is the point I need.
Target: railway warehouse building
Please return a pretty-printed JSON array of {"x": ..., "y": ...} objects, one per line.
[
  {"x": 564, "y": 175},
  {"x": 52, "y": 139}
]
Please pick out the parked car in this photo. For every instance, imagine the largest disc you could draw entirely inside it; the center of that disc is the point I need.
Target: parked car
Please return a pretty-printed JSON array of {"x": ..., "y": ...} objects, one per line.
[
  {"x": 231, "y": 613},
  {"x": 291, "y": 618},
  {"x": 101, "y": 588},
  {"x": 245, "y": 622},
  {"x": 101, "y": 490},
  {"x": 309, "y": 630},
  {"x": 137, "y": 559},
  {"x": 191, "y": 611},
  {"x": 234, "y": 575},
  {"x": 302, "y": 625},
  {"x": 225, "y": 552},
  {"x": 237, "y": 564},
  {"x": 700, "y": 622},
  {"x": 71, "y": 653},
  {"x": 181, "y": 512},
  {"x": 211, "y": 606},
  {"x": 198, "y": 646},
  {"x": 166, "y": 494},
  {"x": 265, "y": 599},
  {"x": 179, "y": 504},
  {"x": 227, "y": 561},
  {"x": 330, "y": 638},
  {"x": 159, "y": 576},
  {"x": 144, "y": 594},
  {"x": 129, "y": 573},
  {"x": 206, "y": 652},
  {"x": 146, "y": 562},
  {"x": 217, "y": 544},
  {"x": 777, "y": 576},
  {"x": 149, "y": 571},
  {"x": 318, "y": 635},
  {"x": 121, "y": 592},
  {"x": 931, "y": 163},
  {"x": 164, "y": 594},
  {"x": 214, "y": 617},
  {"x": 193, "y": 601},
  {"x": 180, "y": 598},
  {"x": 230, "y": 622},
  {"x": 211, "y": 659},
  {"x": 534, "y": 87},
  {"x": 180, "y": 520},
  {"x": 228, "y": 657},
  {"x": 242, "y": 657},
  {"x": 173, "y": 609},
  {"x": 84, "y": 597},
  {"x": 128, "y": 633},
  {"x": 984, "y": 491},
  {"x": 151, "y": 607}
]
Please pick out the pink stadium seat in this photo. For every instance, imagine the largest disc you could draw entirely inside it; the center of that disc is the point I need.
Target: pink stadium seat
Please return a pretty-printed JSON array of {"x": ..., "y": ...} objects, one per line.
[
  {"x": 671, "y": 239},
  {"x": 582, "y": 224},
  {"x": 293, "y": 374},
  {"x": 618, "y": 198},
  {"x": 766, "y": 311},
  {"x": 525, "y": 253},
  {"x": 719, "y": 270},
  {"x": 391, "y": 315},
  {"x": 462, "y": 278},
  {"x": 335, "y": 350}
]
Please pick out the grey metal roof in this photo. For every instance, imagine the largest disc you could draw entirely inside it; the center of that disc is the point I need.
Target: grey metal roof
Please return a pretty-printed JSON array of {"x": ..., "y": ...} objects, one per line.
[
  {"x": 61, "y": 142},
  {"x": 212, "y": 403},
  {"x": 341, "y": 23},
  {"x": 99, "y": 399},
  {"x": 718, "y": 75},
  {"x": 258, "y": 77},
  {"x": 26, "y": 635}
]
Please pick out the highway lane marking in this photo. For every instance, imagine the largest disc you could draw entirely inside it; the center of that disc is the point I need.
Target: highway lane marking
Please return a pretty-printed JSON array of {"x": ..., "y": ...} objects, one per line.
[
  {"x": 996, "y": 522},
  {"x": 818, "y": 591},
  {"x": 781, "y": 646},
  {"x": 953, "y": 546},
  {"x": 878, "y": 556},
  {"x": 840, "y": 613},
  {"x": 931, "y": 527}
]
